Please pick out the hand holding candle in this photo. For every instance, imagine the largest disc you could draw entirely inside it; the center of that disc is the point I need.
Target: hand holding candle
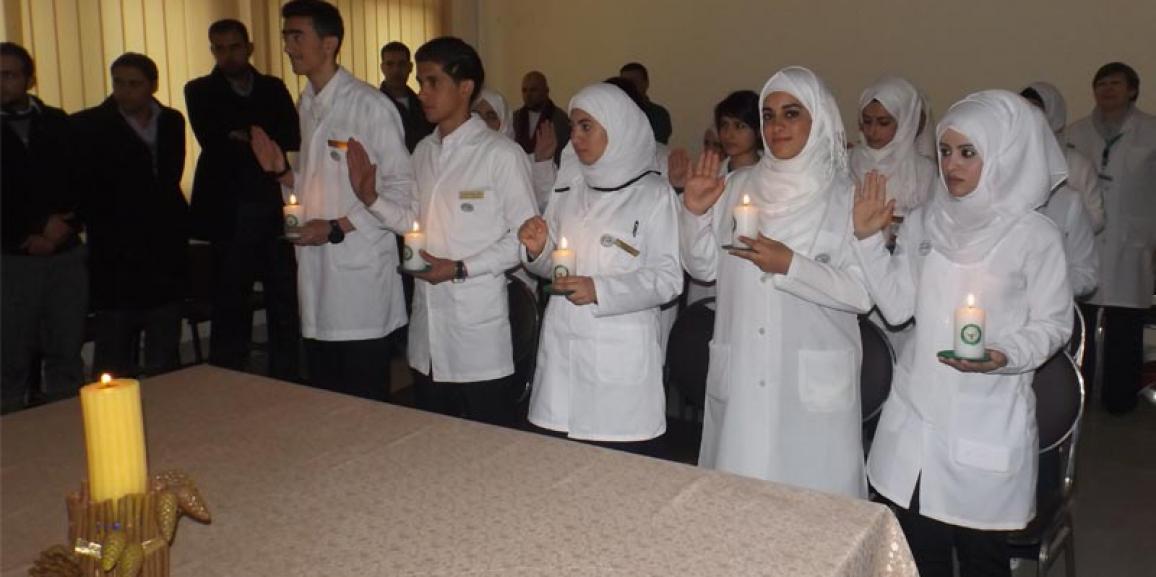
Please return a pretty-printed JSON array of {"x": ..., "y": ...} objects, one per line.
[
  {"x": 414, "y": 244},
  {"x": 970, "y": 328},
  {"x": 294, "y": 218},
  {"x": 746, "y": 221},
  {"x": 114, "y": 438}
]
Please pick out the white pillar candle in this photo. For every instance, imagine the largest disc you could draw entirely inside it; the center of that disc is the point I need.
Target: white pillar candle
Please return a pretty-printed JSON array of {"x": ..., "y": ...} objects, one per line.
[
  {"x": 969, "y": 331},
  {"x": 564, "y": 259},
  {"x": 411, "y": 253},
  {"x": 746, "y": 221},
  {"x": 294, "y": 217}
]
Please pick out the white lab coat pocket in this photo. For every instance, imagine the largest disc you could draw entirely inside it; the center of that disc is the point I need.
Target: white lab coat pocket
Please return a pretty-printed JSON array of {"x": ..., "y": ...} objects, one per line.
[
  {"x": 625, "y": 350},
  {"x": 827, "y": 380},
  {"x": 356, "y": 252},
  {"x": 987, "y": 429},
  {"x": 718, "y": 373},
  {"x": 982, "y": 456}
]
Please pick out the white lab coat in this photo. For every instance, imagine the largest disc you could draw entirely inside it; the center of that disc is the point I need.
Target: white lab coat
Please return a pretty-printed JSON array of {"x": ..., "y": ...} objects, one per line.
[
  {"x": 351, "y": 290},
  {"x": 599, "y": 373},
  {"x": 969, "y": 438},
  {"x": 1126, "y": 244},
  {"x": 1083, "y": 179},
  {"x": 474, "y": 191},
  {"x": 1067, "y": 210},
  {"x": 783, "y": 383}
]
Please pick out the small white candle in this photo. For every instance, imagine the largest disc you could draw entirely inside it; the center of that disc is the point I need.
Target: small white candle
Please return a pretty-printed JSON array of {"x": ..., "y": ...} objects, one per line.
[
  {"x": 411, "y": 254},
  {"x": 969, "y": 331},
  {"x": 294, "y": 217},
  {"x": 746, "y": 221},
  {"x": 564, "y": 259}
]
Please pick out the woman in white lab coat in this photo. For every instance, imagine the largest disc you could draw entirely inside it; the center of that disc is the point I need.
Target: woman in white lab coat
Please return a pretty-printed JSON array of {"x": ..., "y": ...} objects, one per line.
[
  {"x": 955, "y": 449},
  {"x": 783, "y": 382},
  {"x": 599, "y": 374}
]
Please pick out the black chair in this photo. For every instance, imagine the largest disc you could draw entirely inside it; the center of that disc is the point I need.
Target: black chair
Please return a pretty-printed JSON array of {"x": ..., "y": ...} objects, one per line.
[
  {"x": 875, "y": 374},
  {"x": 197, "y": 307},
  {"x": 688, "y": 355},
  {"x": 1059, "y": 391},
  {"x": 525, "y": 326},
  {"x": 1077, "y": 343}
]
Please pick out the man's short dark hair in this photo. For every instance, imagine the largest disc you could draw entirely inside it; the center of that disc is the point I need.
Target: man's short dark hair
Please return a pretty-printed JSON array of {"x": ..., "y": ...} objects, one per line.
[
  {"x": 325, "y": 16},
  {"x": 138, "y": 61},
  {"x": 395, "y": 46},
  {"x": 635, "y": 67},
  {"x": 1113, "y": 68},
  {"x": 630, "y": 89},
  {"x": 229, "y": 25},
  {"x": 741, "y": 104},
  {"x": 457, "y": 59},
  {"x": 18, "y": 51}
]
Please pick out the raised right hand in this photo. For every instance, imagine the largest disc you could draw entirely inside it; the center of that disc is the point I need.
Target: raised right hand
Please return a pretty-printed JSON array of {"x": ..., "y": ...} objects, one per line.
[
  {"x": 268, "y": 152},
  {"x": 704, "y": 186},
  {"x": 872, "y": 212},
  {"x": 533, "y": 234}
]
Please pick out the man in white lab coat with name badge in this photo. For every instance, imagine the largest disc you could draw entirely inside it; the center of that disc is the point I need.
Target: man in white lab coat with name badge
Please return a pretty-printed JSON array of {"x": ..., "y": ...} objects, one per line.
[
  {"x": 355, "y": 183},
  {"x": 1121, "y": 140},
  {"x": 474, "y": 191}
]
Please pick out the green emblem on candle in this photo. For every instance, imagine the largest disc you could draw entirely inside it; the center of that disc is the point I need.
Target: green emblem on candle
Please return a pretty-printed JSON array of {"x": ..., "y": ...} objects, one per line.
[
  {"x": 971, "y": 334},
  {"x": 561, "y": 271},
  {"x": 406, "y": 253},
  {"x": 291, "y": 221}
]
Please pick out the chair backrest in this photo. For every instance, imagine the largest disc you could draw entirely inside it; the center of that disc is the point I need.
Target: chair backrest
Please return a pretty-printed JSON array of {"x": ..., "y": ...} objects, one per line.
[
  {"x": 525, "y": 325},
  {"x": 688, "y": 351},
  {"x": 1077, "y": 343},
  {"x": 876, "y": 370},
  {"x": 1059, "y": 389}
]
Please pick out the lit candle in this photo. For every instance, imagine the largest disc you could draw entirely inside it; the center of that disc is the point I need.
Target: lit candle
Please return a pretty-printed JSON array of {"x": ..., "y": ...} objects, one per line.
[
  {"x": 114, "y": 438},
  {"x": 746, "y": 221},
  {"x": 969, "y": 331},
  {"x": 294, "y": 216},
  {"x": 411, "y": 254},
  {"x": 564, "y": 259}
]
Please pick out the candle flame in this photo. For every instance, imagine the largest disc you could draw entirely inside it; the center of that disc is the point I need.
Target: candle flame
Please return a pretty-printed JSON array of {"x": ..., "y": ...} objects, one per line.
[
  {"x": 105, "y": 379},
  {"x": 416, "y": 228},
  {"x": 970, "y": 301},
  {"x": 292, "y": 199},
  {"x": 746, "y": 200},
  {"x": 563, "y": 245}
]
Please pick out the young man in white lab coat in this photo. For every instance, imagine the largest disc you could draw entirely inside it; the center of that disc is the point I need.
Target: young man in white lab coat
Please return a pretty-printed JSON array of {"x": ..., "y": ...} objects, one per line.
[
  {"x": 1121, "y": 140},
  {"x": 355, "y": 183},
  {"x": 474, "y": 191}
]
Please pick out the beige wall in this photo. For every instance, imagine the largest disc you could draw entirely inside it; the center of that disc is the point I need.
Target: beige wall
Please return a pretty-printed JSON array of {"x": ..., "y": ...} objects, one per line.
[{"x": 697, "y": 51}]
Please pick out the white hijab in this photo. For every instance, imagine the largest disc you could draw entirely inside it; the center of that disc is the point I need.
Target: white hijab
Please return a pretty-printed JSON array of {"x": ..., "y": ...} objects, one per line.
[
  {"x": 630, "y": 145},
  {"x": 897, "y": 159},
  {"x": 793, "y": 194},
  {"x": 1055, "y": 107},
  {"x": 925, "y": 142},
  {"x": 498, "y": 103},
  {"x": 1022, "y": 164}
]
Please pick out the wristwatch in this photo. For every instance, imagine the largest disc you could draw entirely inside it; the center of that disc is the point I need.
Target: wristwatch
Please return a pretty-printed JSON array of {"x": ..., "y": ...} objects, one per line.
[
  {"x": 336, "y": 235},
  {"x": 459, "y": 271}
]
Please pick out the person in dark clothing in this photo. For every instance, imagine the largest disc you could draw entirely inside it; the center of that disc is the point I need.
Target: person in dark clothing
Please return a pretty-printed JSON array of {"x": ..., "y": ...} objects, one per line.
[
  {"x": 44, "y": 279},
  {"x": 396, "y": 66},
  {"x": 537, "y": 109},
  {"x": 658, "y": 116},
  {"x": 133, "y": 152},
  {"x": 237, "y": 207}
]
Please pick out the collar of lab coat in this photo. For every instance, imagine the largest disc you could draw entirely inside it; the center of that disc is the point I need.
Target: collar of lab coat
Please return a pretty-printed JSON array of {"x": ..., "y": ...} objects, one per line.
[
  {"x": 466, "y": 133},
  {"x": 318, "y": 104}
]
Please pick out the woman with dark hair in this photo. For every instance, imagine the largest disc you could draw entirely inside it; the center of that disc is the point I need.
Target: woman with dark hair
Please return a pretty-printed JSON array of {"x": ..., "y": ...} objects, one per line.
[{"x": 736, "y": 118}]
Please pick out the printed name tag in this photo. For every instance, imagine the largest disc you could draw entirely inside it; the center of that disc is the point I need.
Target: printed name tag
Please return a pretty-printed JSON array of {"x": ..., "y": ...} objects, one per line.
[{"x": 472, "y": 194}]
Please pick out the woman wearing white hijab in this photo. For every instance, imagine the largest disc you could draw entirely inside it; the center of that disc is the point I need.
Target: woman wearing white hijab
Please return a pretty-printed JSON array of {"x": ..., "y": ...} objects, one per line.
[
  {"x": 956, "y": 444},
  {"x": 599, "y": 374},
  {"x": 492, "y": 107},
  {"x": 889, "y": 113},
  {"x": 783, "y": 382}
]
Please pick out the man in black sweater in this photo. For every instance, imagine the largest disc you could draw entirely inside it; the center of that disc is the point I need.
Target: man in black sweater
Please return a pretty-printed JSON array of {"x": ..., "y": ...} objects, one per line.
[
  {"x": 237, "y": 207},
  {"x": 396, "y": 66},
  {"x": 45, "y": 282},
  {"x": 133, "y": 152}
]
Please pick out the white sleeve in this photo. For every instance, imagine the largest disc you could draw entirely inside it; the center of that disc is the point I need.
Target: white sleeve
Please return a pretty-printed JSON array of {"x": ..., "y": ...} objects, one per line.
[
  {"x": 542, "y": 175},
  {"x": 697, "y": 243},
  {"x": 838, "y": 287},
  {"x": 511, "y": 177},
  {"x": 543, "y": 266},
  {"x": 888, "y": 276},
  {"x": 658, "y": 280},
  {"x": 1083, "y": 179},
  {"x": 396, "y": 206},
  {"x": 1080, "y": 249}
]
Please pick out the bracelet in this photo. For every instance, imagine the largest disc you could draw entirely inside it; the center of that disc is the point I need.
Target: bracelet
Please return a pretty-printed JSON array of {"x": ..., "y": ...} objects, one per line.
[{"x": 278, "y": 175}]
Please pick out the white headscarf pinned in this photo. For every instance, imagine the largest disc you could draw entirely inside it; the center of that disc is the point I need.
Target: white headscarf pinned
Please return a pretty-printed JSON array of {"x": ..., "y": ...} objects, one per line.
[
  {"x": 1055, "y": 107},
  {"x": 630, "y": 145},
  {"x": 498, "y": 103},
  {"x": 792, "y": 194},
  {"x": 1022, "y": 164},
  {"x": 896, "y": 160}
]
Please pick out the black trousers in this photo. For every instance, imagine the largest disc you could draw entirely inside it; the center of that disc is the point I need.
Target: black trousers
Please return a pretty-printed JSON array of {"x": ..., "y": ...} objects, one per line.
[
  {"x": 358, "y": 368},
  {"x": 484, "y": 401},
  {"x": 118, "y": 336},
  {"x": 255, "y": 254},
  {"x": 1123, "y": 355},
  {"x": 980, "y": 553}
]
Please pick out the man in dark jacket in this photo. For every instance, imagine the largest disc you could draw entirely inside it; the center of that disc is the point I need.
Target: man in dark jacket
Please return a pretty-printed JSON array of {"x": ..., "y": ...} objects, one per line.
[
  {"x": 133, "y": 150},
  {"x": 45, "y": 282},
  {"x": 396, "y": 66},
  {"x": 237, "y": 207},
  {"x": 537, "y": 109}
]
